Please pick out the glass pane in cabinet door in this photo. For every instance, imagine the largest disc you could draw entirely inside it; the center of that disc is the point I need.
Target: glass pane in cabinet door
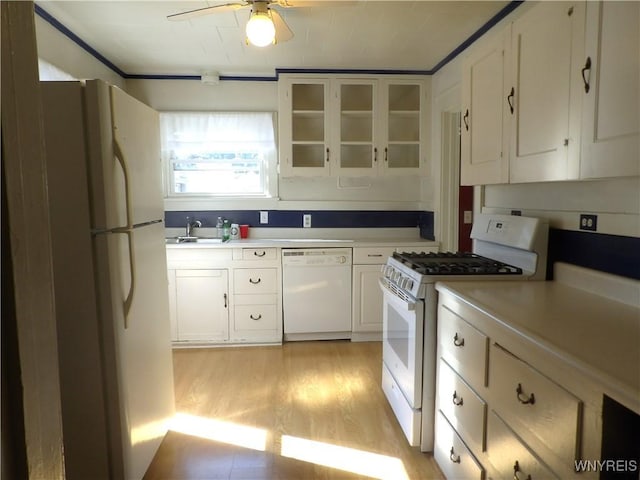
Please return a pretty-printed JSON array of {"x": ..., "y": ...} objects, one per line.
[
  {"x": 356, "y": 98},
  {"x": 307, "y": 96},
  {"x": 307, "y": 127},
  {"x": 404, "y": 97},
  {"x": 356, "y": 156},
  {"x": 356, "y": 128},
  {"x": 403, "y": 156},
  {"x": 404, "y": 127},
  {"x": 308, "y": 155}
]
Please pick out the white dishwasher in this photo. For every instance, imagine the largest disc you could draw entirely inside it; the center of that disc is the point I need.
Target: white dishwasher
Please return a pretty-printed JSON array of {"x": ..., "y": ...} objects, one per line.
[{"x": 316, "y": 293}]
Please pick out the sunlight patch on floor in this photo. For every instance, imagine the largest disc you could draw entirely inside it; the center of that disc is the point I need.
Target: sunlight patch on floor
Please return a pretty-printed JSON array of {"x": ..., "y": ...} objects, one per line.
[
  {"x": 220, "y": 431},
  {"x": 348, "y": 459}
]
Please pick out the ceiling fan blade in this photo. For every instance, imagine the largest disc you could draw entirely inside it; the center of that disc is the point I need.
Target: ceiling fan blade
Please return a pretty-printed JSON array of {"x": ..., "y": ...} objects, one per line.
[
  {"x": 207, "y": 10},
  {"x": 283, "y": 32}
]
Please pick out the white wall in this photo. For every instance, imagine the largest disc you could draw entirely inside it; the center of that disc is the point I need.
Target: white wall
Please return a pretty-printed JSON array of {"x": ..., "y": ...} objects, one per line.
[
  {"x": 60, "y": 51},
  {"x": 190, "y": 95}
]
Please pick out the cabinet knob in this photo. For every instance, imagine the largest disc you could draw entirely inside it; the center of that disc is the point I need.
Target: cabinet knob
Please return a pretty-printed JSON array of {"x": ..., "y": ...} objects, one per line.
[
  {"x": 512, "y": 94},
  {"x": 457, "y": 341},
  {"x": 465, "y": 119},
  {"x": 260, "y": 254},
  {"x": 522, "y": 398},
  {"x": 453, "y": 457},
  {"x": 587, "y": 67},
  {"x": 255, "y": 282},
  {"x": 457, "y": 401},
  {"x": 516, "y": 470},
  {"x": 255, "y": 318}
]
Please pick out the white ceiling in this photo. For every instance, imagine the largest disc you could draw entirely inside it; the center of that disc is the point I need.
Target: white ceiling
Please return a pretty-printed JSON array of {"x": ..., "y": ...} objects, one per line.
[{"x": 366, "y": 34}]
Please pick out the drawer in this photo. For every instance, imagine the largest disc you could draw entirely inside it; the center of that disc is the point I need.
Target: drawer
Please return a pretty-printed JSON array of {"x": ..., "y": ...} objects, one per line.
[
  {"x": 371, "y": 255},
  {"x": 452, "y": 455},
  {"x": 255, "y": 317},
  {"x": 464, "y": 409},
  {"x": 255, "y": 280},
  {"x": 464, "y": 347},
  {"x": 537, "y": 409},
  {"x": 195, "y": 258},
  {"x": 509, "y": 456},
  {"x": 259, "y": 253}
]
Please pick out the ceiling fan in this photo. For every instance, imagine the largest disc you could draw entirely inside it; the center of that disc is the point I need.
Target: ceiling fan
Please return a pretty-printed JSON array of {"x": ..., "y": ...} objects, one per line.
[{"x": 265, "y": 26}]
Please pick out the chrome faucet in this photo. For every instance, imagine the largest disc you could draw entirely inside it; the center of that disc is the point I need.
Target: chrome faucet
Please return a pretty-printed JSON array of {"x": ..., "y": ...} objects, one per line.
[{"x": 191, "y": 225}]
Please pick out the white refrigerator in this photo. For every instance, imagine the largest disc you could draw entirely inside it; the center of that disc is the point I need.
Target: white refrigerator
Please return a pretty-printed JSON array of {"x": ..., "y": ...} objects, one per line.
[{"x": 110, "y": 278}]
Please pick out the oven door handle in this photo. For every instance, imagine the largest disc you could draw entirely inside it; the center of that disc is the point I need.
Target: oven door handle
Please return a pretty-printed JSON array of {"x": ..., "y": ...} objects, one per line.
[{"x": 393, "y": 297}]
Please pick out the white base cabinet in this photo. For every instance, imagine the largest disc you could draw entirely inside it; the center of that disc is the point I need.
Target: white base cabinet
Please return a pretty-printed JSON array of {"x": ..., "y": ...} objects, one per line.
[
  {"x": 202, "y": 305},
  {"x": 366, "y": 294},
  {"x": 237, "y": 304}
]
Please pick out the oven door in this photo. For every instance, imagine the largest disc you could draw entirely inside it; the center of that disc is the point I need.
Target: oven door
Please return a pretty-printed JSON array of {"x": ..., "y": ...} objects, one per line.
[{"x": 402, "y": 338}]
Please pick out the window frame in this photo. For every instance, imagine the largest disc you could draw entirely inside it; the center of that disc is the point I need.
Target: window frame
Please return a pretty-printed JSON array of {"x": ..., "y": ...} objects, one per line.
[{"x": 269, "y": 173}]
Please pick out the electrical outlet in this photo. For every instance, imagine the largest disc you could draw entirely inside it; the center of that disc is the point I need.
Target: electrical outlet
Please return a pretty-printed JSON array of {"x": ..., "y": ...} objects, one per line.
[
  {"x": 264, "y": 217},
  {"x": 588, "y": 222},
  {"x": 306, "y": 220},
  {"x": 516, "y": 213},
  {"x": 467, "y": 217}
]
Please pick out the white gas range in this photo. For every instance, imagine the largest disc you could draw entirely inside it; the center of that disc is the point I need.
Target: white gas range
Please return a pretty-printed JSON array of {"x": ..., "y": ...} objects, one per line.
[{"x": 504, "y": 248}]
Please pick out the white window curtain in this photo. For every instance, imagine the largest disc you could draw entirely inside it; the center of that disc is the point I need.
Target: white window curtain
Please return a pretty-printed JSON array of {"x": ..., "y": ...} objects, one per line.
[{"x": 186, "y": 135}]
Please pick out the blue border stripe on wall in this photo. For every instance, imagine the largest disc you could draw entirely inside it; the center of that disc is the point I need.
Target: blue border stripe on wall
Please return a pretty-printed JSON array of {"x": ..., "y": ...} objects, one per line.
[
  {"x": 319, "y": 219},
  {"x": 105, "y": 61},
  {"x": 608, "y": 253}
]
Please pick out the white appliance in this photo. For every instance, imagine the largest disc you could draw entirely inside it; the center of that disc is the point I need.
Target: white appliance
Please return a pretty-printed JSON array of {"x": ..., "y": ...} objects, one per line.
[
  {"x": 110, "y": 278},
  {"x": 316, "y": 298},
  {"x": 505, "y": 248}
]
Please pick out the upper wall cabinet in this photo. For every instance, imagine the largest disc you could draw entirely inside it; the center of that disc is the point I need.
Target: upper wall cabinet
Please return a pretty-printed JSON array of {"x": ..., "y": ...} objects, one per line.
[
  {"x": 304, "y": 126},
  {"x": 611, "y": 91},
  {"x": 565, "y": 98},
  {"x": 352, "y": 126},
  {"x": 547, "y": 48},
  {"x": 485, "y": 113}
]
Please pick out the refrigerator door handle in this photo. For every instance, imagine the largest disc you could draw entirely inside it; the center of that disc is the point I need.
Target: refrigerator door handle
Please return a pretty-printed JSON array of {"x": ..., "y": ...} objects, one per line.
[
  {"x": 117, "y": 152},
  {"x": 132, "y": 271}
]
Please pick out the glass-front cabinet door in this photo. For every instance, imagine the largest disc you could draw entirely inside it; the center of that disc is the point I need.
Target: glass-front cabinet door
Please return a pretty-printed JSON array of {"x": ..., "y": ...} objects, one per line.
[
  {"x": 357, "y": 150},
  {"x": 304, "y": 137},
  {"x": 403, "y": 110}
]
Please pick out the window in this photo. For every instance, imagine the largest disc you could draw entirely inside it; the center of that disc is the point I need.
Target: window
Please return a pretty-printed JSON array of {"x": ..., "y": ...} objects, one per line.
[{"x": 218, "y": 153}]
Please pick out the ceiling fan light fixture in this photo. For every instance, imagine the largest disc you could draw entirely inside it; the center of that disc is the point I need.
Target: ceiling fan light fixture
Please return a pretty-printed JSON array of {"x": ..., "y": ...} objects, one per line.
[{"x": 260, "y": 28}]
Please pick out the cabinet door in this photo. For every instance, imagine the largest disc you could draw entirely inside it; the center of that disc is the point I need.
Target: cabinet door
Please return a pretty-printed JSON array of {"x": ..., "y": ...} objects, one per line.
[
  {"x": 367, "y": 299},
  {"x": 202, "y": 305},
  {"x": 356, "y": 148},
  {"x": 486, "y": 113},
  {"x": 611, "y": 116},
  {"x": 547, "y": 48},
  {"x": 304, "y": 127},
  {"x": 404, "y": 105}
]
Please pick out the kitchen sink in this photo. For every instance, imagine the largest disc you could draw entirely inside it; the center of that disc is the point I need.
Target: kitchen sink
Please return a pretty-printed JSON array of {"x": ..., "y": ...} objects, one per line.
[{"x": 179, "y": 240}]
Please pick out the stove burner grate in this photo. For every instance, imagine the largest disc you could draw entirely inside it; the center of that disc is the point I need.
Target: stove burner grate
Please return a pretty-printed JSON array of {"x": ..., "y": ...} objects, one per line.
[{"x": 454, "y": 263}]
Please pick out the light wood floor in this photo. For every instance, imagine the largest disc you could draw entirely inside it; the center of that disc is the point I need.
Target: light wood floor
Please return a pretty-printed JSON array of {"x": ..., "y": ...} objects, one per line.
[{"x": 285, "y": 412}]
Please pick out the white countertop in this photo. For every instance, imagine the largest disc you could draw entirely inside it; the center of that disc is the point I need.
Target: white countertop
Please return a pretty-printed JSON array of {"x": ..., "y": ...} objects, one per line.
[
  {"x": 303, "y": 243},
  {"x": 599, "y": 336}
]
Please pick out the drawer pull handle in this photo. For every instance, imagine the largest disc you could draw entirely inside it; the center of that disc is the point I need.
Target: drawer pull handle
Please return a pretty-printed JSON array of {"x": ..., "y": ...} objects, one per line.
[
  {"x": 453, "y": 457},
  {"x": 255, "y": 282},
  {"x": 516, "y": 469},
  {"x": 522, "y": 398},
  {"x": 457, "y": 341},
  {"x": 260, "y": 254},
  {"x": 255, "y": 318},
  {"x": 457, "y": 400}
]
